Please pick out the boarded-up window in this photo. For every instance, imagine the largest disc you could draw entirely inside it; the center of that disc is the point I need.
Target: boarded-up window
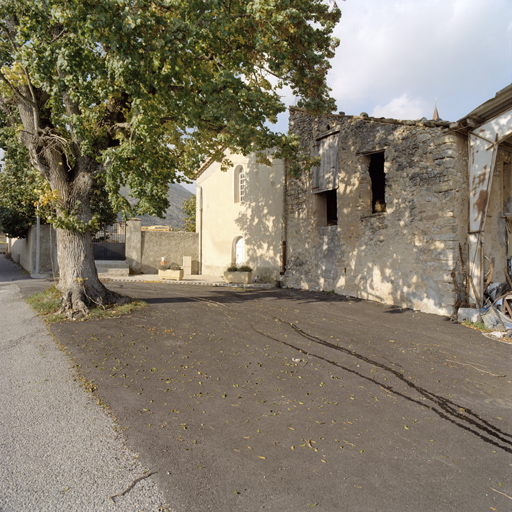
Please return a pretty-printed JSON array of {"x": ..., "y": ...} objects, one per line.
[{"x": 325, "y": 177}]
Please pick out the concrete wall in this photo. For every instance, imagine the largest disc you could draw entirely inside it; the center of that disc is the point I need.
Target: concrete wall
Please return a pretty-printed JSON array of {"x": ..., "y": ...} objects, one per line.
[
  {"x": 23, "y": 250},
  {"x": 221, "y": 219},
  {"x": 403, "y": 256},
  {"x": 143, "y": 249}
]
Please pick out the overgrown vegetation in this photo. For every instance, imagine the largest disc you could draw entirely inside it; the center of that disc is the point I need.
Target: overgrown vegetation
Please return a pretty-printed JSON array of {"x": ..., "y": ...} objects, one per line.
[
  {"x": 479, "y": 326},
  {"x": 48, "y": 303}
]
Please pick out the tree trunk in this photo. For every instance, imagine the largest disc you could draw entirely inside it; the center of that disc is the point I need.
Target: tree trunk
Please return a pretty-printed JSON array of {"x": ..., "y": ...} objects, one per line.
[
  {"x": 72, "y": 174},
  {"x": 78, "y": 277}
]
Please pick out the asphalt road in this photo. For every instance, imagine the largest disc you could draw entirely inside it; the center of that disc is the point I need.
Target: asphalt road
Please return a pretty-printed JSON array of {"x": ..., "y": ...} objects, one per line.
[
  {"x": 59, "y": 450},
  {"x": 290, "y": 401}
]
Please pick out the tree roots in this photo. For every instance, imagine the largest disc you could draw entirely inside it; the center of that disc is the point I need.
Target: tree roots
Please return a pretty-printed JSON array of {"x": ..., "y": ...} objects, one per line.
[{"x": 77, "y": 301}]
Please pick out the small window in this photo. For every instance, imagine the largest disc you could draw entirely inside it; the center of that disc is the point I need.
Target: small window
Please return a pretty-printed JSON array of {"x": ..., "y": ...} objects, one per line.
[
  {"x": 242, "y": 185},
  {"x": 378, "y": 179},
  {"x": 327, "y": 208},
  {"x": 239, "y": 184}
]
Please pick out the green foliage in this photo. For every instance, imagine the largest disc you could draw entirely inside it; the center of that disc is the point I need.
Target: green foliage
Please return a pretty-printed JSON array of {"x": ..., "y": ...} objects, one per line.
[
  {"x": 241, "y": 268},
  {"x": 149, "y": 89},
  {"x": 18, "y": 187},
  {"x": 479, "y": 326},
  {"x": 101, "y": 205},
  {"x": 170, "y": 266},
  {"x": 189, "y": 209},
  {"x": 22, "y": 189}
]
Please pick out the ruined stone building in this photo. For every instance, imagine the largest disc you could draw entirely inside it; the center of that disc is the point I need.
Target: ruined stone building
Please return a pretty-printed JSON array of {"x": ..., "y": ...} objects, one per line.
[{"x": 409, "y": 213}]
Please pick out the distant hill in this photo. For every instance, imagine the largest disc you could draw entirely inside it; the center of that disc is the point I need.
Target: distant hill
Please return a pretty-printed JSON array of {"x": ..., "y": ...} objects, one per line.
[{"x": 173, "y": 216}]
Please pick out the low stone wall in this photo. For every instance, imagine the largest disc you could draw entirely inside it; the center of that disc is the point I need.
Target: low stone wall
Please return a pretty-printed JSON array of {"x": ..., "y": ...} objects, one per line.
[
  {"x": 404, "y": 255},
  {"x": 174, "y": 245},
  {"x": 145, "y": 248}
]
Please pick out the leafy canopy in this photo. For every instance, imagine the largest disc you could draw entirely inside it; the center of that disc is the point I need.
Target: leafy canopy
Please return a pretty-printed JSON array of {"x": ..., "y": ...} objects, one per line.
[
  {"x": 24, "y": 194},
  {"x": 20, "y": 187},
  {"x": 149, "y": 89}
]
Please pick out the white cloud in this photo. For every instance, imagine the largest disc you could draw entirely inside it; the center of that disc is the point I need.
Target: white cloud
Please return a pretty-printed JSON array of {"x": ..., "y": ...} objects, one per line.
[
  {"x": 402, "y": 107},
  {"x": 458, "y": 51}
]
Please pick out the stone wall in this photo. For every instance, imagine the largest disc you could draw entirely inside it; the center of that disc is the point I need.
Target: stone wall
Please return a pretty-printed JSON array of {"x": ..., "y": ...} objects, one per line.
[
  {"x": 145, "y": 248},
  {"x": 404, "y": 255},
  {"x": 173, "y": 245}
]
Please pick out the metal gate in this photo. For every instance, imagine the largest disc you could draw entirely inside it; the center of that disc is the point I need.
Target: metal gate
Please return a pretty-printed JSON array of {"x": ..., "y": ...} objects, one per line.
[{"x": 109, "y": 242}]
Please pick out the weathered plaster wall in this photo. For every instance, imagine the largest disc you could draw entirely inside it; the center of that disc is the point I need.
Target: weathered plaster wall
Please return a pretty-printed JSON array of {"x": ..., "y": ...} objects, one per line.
[
  {"x": 171, "y": 244},
  {"x": 23, "y": 250},
  {"x": 404, "y": 256},
  {"x": 500, "y": 203},
  {"x": 258, "y": 219}
]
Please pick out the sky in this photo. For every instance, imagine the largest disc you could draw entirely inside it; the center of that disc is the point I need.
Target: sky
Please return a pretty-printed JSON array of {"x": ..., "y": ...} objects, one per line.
[{"x": 396, "y": 57}]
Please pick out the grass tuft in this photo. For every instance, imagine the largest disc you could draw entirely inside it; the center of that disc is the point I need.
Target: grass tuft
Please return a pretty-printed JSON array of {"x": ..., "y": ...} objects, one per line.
[
  {"x": 47, "y": 303},
  {"x": 114, "y": 310},
  {"x": 479, "y": 326}
]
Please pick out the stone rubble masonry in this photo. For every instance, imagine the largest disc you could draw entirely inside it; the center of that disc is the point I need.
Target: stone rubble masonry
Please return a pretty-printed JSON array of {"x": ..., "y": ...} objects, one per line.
[{"x": 404, "y": 256}]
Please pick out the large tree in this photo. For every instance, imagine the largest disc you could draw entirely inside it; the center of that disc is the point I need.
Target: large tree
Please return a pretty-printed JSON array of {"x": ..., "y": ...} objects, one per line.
[{"x": 139, "y": 92}]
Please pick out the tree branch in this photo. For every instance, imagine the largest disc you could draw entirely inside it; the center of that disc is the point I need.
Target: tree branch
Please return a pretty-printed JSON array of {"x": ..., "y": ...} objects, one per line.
[
  {"x": 17, "y": 93},
  {"x": 58, "y": 36},
  {"x": 11, "y": 40}
]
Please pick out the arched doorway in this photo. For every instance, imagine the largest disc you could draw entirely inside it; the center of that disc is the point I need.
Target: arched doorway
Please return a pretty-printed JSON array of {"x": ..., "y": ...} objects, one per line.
[{"x": 239, "y": 250}]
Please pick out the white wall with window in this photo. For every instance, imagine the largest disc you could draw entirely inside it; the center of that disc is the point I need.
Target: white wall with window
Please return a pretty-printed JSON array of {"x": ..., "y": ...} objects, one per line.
[{"x": 240, "y": 216}]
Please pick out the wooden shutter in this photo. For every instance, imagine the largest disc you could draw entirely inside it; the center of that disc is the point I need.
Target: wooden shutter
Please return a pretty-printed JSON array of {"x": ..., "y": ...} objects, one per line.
[{"x": 325, "y": 177}]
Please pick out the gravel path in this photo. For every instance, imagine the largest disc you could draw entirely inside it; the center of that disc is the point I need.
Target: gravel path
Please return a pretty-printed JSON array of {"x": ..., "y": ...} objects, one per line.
[{"x": 59, "y": 450}]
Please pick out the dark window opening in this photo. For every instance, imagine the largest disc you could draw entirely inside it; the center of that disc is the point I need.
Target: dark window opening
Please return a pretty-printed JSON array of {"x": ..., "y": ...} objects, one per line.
[
  {"x": 331, "y": 207},
  {"x": 327, "y": 208},
  {"x": 378, "y": 179}
]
